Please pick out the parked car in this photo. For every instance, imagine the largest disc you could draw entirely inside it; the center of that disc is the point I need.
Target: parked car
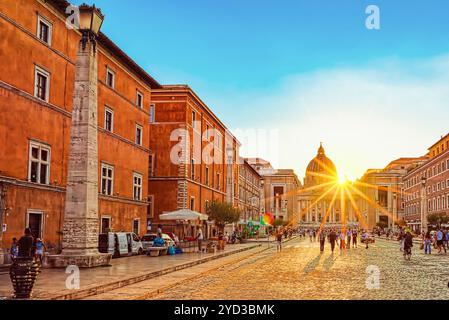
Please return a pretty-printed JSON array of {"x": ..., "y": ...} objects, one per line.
[
  {"x": 120, "y": 244},
  {"x": 147, "y": 240}
]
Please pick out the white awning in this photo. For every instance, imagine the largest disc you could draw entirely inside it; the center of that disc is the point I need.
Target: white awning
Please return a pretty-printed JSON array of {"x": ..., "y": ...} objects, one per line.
[{"x": 183, "y": 214}]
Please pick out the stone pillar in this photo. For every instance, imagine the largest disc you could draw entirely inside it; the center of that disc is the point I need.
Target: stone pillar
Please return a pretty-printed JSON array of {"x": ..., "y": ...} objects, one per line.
[{"x": 81, "y": 225}]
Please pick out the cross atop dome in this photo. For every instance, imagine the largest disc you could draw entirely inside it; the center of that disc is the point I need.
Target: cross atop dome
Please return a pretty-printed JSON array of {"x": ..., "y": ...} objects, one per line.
[{"x": 321, "y": 149}]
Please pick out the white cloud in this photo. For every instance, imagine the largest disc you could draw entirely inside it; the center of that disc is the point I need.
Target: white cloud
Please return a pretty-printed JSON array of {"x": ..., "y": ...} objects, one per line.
[{"x": 366, "y": 116}]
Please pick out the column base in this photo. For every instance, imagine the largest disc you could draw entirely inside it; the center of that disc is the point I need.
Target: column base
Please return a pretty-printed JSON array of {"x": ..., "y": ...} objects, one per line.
[{"x": 80, "y": 260}]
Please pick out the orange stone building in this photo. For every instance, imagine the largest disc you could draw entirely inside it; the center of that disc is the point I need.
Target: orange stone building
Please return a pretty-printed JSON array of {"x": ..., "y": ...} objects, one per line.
[
  {"x": 194, "y": 158},
  {"x": 38, "y": 63}
]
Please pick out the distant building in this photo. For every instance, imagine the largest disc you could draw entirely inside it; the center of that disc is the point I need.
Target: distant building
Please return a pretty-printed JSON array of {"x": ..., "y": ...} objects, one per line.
[
  {"x": 250, "y": 192},
  {"x": 383, "y": 190},
  {"x": 426, "y": 187},
  {"x": 280, "y": 188}
]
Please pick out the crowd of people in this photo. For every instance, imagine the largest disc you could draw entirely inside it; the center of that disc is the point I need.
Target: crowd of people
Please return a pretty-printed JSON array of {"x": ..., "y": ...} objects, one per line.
[{"x": 27, "y": 247}]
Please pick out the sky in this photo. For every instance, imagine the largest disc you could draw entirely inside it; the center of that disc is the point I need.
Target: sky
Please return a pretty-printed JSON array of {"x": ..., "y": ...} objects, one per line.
[{"x": 286, "y": 75}]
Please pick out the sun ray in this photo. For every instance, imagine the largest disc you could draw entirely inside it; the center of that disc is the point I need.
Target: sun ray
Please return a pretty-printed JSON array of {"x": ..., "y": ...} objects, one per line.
[
  {"x": 373, "y": 186},
  {"x": 357, "y": 210},
  {"x": 323, "y": 221},
  {"x": 374, "y": 204}
]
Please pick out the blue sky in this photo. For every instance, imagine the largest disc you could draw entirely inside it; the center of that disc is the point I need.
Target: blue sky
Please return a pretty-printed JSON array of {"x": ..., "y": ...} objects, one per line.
[{"x": 306, "y": 71}]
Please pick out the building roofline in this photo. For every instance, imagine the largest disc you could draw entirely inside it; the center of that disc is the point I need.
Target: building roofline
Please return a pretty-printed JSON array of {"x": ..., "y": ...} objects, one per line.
[
  {"x": 61, "y": 6},
  {"x": 436, "y": 143},
  {"x": 184, "y": 88}
]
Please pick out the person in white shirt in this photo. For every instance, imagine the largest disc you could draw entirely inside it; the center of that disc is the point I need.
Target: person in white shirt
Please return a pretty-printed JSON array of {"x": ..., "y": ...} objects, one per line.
[{"x": 200, "y": 238}]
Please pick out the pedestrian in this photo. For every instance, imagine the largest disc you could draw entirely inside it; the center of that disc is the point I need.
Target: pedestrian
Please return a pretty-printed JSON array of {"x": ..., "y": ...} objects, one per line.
[
  {"x": 342, "y": 240},
  {"x": 332, "y": 239},
  {"x": 314, "y": 235},
  {"x": 199, "y": 238},
  {"x": 354, "y": 238},
  {"x": 440, "y": 236},
  {"x": 365, "y": 238},
  {"x": 322, "y": 236},
  {"x": 14, "y": 250},
  {"x": 159, "y": 230},
  {"x": 348, "y": 238},
  {"x": 279, "y": 240},
  {"x": 40, "y": 248},
  {"x": 311, "y": 235},
  {"x": 428, "y": 243},
  {"x": 25, "y": 243}
]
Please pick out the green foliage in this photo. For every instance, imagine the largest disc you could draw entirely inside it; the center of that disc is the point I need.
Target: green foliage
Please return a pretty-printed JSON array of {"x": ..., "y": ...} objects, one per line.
[
  {"x": 437, "y": 218},
  {"x": 279, "y": 223},
  {"x": 223, "y": 213}
]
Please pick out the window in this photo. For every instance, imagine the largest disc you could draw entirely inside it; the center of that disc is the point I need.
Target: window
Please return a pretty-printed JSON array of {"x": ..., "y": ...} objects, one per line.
[
  {"x": 152, "y": 113},
  {"x": 206, "y": 205},
  {"x": 108, "y": 119},
  {"x": 192, "y": 203},
  {"x": 193, "y": 119},
  {"x": 150, "y": 212},
  {"x": 139, "y": 135},
  {"x": 137, "y": 186},
  {"x": 110, "y": 78},
  {"x": 136, "y": 226},
  {"x": 41, "y": 83},
  {"x": 192, "y": 169},
  {"x": 105, "y": 224},
  {"x": 139, "y": 99},
  {"x": 44, "y": 30},
  {"x": 218, "y": 181},
  {"x": 39, "y": 163},
  {"x": 207, "y": 176},
  {"x": 107, "y": 179},
  {"x": 151, "y": 165}
]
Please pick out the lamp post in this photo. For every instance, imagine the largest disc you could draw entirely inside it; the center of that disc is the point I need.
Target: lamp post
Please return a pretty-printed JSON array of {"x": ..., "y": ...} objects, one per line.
[
  {"x": 423, "y": 206},
  {"x": 81, "y": 226}
]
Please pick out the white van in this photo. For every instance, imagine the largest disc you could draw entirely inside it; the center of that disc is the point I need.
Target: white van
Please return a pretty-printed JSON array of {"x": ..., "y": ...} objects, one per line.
[{"x": 120, "y": 244}]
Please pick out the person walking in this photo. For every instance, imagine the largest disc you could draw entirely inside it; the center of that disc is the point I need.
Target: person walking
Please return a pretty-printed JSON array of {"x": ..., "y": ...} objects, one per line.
[
  {"x": 322, "y": 236},
  {"x": 279, "y": 240},
  {"x": 428, "y": 243},
  {"x": 332, "y": 239},
  {"x": 348, "y": 238},
  {"x": 354, "y": 238},
  {"x": 26, "y": 245},
  {"x": 40, "y": 248},
  {"x": 199, "y": 238},
  {"x": 342, "y": 240},
  {"x": 314, "y": 235},
  {"x": 311, "y": 235},
  {"x": 440, "y": 236},
  {"x": 365, "y": 239}
]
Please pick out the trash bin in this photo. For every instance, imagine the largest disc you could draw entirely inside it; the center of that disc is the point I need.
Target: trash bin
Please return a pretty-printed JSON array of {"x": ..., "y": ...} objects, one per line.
[{"x": 23, "y": 273}]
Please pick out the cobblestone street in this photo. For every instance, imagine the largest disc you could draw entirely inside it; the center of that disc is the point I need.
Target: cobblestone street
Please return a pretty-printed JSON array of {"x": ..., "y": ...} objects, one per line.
[{"x": 301, "y": 272}]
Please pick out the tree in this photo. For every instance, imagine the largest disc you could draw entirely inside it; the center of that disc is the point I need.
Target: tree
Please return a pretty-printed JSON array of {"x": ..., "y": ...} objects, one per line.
[
  {"x": 437, "y": 219},
  {"x": 223, "y": 213},
  {"x": 279, "y": 222}
]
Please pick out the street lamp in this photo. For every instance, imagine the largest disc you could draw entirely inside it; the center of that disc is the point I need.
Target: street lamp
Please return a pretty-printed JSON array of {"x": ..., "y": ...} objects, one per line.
[
  {"x": 423, "y": 205},
  {"x": 90, "y": 21}
]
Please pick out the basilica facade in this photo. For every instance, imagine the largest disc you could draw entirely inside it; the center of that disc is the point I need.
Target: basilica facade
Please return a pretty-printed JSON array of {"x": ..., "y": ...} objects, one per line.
[{"x": 322, "y": 199}]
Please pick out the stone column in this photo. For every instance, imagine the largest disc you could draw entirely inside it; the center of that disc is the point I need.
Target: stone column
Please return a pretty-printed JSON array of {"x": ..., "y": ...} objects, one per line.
[
  {"x": 2, "y": 214},
  {"x": 81, "y": 225}
]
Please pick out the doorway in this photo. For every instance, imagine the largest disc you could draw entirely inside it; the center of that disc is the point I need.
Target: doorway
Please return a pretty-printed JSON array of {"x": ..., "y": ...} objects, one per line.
[{"x": 35, "y": 223}]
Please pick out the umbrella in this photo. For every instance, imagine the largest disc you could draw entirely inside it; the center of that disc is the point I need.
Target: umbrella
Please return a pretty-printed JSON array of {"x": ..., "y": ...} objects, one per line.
[{"x": 183, "y": 214}]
